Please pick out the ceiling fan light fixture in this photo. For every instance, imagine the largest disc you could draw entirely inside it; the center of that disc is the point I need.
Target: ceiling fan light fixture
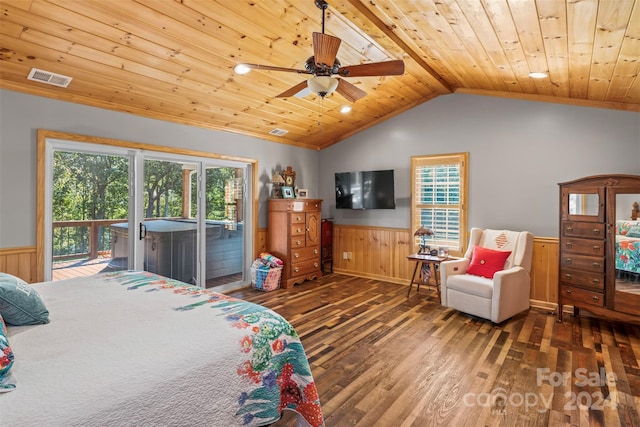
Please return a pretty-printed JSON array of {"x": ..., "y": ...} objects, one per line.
[
  {"x": 322, "y": 85},
  {"x": 241, "y": 69}
]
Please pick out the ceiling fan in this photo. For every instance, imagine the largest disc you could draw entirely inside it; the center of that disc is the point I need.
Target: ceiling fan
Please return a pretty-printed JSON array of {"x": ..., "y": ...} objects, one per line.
[{"x": 323, "y": 66}]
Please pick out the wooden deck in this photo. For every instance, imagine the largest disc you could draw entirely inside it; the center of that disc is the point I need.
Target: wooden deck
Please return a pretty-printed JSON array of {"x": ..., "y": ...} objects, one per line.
[
  {"x": 78, "y": 268},
  {"x": 86, "y": 267}
]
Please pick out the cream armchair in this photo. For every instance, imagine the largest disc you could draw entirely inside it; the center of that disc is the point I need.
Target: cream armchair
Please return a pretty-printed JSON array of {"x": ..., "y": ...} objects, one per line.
[{"x": 497, "y": 298}]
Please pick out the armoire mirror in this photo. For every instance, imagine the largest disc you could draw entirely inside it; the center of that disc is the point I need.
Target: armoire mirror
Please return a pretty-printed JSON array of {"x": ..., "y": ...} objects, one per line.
[
  {"x": 627, "y": 243},
  {"x": 583, "y": 204}
]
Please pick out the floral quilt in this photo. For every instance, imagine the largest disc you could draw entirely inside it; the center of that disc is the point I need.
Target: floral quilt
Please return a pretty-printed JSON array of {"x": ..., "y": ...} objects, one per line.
[
  {"x": 628, "y": 246},
  {"x": 136, "y": 348}
]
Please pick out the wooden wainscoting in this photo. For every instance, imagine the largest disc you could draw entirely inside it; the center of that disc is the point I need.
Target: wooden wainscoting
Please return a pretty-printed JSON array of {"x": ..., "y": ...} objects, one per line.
[
  {"x": 261, "y": 241},
  {"x": 381, "y": 253},
  {"x": 20, "y": 262}
]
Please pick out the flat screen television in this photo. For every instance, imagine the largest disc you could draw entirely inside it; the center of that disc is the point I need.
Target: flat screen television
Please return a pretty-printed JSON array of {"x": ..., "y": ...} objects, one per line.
[{"x": 365, "y": 190}]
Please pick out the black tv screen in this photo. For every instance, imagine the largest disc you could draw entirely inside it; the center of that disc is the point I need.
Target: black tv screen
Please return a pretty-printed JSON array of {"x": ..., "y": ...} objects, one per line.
[{"x": 365, "y": 190}]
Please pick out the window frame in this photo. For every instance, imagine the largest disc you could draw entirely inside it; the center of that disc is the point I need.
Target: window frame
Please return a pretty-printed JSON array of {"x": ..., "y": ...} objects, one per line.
[{"x": 462, "y": 161}]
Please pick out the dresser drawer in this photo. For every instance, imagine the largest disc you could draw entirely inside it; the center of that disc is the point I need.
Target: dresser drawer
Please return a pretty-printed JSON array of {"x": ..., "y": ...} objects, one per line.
[
  {"x": 298, "y": 229},
  {"x": 581, "y": 262},
  {"x": 589, "y": 230},
  {"x": 297, "y": 218},
  {"x": 305, "y": 267},
  {"x": 585, "y": 279},
  {"x": 582, "y": 247},
  {"x": 298, "y": 242},
  {"x": 579, "y": 296},
  {"x": 301, "y": 254}
]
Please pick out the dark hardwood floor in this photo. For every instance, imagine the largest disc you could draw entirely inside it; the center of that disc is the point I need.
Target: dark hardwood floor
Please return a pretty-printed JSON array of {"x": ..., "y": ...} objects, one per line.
[{"x": 382, "y": 359}]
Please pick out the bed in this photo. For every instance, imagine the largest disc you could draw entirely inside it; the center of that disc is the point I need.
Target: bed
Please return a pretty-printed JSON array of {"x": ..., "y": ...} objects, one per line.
[
  {"x": 138, "y": 349},
  {"x": 627, "y": 249}
]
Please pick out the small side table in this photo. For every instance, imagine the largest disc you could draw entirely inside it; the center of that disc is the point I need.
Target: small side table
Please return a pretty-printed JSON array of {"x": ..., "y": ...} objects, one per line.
[{"x": 433, "y": 263}]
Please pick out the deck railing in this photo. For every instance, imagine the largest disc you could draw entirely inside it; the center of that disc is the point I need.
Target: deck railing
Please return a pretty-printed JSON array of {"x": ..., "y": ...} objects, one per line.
[{"x": 75, "y": 239}]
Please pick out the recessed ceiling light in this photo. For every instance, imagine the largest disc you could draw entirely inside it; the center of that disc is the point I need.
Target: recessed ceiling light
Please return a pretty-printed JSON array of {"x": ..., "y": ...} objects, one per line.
[
  {"x": 345, "y": 109},
  {"x": 538, "y": 75},
  {"x": 242, "y": 69}
]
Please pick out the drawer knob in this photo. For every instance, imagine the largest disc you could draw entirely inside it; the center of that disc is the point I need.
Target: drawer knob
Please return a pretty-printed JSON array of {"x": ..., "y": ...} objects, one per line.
[
  {"x": 298, "y": 230},
  {"x": 315, "y": 251},
  {"x": 568, "y": 276},
  {"x": 596, "y": 231},
  {"x": 315, "y": 264},
  {"x": 569, "y": 229},
  {"x": 568, "y": 245},
  {"x": 595, "y": 298},
  {"x": 596, "y": 281},
  {"x": 296, "y": 255},
  {"x": 298, "y": 242},
  {"x": 296, "y": 269},
  {"x": 568, "y": 260},
  {"x": 568, "y": 291},
  {"x": 596, "y": 264}
]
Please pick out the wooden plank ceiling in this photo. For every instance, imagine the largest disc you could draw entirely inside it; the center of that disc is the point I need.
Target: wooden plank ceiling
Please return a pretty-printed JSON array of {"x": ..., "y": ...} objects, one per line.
[{"x": 173, "y": 59}]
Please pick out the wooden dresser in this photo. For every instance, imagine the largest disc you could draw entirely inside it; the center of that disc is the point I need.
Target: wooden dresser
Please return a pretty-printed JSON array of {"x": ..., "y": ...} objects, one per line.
[
  {"x": 293, "y": 235},
  {"x": 590, "y": 249}
]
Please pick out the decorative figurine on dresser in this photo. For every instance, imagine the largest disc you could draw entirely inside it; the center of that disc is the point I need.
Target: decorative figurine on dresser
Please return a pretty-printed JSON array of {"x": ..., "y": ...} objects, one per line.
[
  {"x": 599, "y": 248},
  {"x": 293, "y": 235}
]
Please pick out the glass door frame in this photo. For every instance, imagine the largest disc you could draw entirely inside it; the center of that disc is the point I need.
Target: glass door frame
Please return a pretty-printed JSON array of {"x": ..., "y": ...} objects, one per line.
[
  {"x": 75, "y": 147},
  {"x": 138, "y": 152}
]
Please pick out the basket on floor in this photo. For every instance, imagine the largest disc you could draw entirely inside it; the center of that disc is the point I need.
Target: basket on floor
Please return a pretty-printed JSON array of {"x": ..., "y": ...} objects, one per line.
[{"x": 266, "y": 278}]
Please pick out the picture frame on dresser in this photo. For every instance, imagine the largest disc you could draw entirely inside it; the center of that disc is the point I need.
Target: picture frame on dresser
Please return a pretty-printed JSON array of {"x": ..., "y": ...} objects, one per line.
[{"x": 288, "y": 193}]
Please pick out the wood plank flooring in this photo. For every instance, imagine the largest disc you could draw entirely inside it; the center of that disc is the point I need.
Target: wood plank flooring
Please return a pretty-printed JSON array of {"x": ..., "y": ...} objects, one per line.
[{"x": 382, "y": 359}]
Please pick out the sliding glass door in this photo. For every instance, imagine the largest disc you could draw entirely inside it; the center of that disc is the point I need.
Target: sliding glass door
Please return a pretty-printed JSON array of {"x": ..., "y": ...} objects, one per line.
[
  {"x": 90, "y": 196},
  {"x": 178, "y": 216},
  {"x": 225, "y": 227}
]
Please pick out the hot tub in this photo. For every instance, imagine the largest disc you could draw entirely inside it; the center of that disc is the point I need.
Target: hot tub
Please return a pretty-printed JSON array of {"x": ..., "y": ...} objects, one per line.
[{"x": 170, "y": 248}]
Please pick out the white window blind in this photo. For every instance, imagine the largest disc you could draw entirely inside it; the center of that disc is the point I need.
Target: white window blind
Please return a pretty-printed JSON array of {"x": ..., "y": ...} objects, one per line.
[{"x": 438, "y": 199}]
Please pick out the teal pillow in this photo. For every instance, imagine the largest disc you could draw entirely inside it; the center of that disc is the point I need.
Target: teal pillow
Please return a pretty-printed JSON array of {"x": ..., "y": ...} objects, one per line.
[
  {"x": 6, "y": 360},
  {"x": 20, "y": 304},
  {"x": 634, "y": 231}
]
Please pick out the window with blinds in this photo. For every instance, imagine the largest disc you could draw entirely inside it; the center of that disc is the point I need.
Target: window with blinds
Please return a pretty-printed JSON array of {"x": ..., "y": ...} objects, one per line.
[{"x": 439, "y": 199}]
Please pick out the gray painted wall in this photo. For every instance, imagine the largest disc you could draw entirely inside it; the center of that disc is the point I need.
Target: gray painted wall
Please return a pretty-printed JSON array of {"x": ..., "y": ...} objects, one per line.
[
  {"x": 22, "y": 115},
  {"x": 518, "y": 152}
]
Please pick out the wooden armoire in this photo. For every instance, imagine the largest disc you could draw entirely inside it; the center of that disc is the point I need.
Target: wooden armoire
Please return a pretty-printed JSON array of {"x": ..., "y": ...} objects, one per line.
[
  {"x": 293, "y": 235},
  {"x": 599, "y": 251}
]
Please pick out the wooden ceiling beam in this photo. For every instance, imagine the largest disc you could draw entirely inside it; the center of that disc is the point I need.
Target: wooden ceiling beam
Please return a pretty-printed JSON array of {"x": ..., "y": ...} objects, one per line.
[{"x": 387, "y": 29}]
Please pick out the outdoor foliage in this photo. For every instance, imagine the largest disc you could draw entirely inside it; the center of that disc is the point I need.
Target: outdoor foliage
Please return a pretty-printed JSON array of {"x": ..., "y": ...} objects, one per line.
[{"x": 92, "y": 187}]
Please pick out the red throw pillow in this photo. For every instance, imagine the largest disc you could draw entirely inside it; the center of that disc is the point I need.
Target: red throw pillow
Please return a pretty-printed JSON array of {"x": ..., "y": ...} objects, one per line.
[{"x": 486, "y": 262}]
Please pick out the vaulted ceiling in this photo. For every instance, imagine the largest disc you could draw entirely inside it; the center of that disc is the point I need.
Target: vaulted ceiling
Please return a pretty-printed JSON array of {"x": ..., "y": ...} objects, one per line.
[{"x": 174, "y": 59}]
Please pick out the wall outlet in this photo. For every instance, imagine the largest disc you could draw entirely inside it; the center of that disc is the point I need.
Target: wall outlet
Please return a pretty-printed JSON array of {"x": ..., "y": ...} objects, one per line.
[
  {"x": 345, "y": 255},
  {"x": 349, "y": 255}
]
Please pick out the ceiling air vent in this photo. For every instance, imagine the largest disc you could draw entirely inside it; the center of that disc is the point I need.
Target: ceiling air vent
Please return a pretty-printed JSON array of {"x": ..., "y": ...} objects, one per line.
[
  {"x": 49, "y": 78},
  {"x": 278, "y": 132}
]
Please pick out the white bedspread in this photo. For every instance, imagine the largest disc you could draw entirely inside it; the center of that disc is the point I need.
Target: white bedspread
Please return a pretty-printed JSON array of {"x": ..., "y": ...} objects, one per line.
[{"x": 136, "y": 349}]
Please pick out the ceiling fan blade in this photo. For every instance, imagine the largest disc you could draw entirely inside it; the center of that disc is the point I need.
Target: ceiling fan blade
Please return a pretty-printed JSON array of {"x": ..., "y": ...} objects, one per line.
[
  {"x": 271, "y": 68},
  {"x": 293, "y": 90},
  {"x": 325, "y": 49},
  {"x": 351, "y": 92},
  {"x": 386, "y": 68}
]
